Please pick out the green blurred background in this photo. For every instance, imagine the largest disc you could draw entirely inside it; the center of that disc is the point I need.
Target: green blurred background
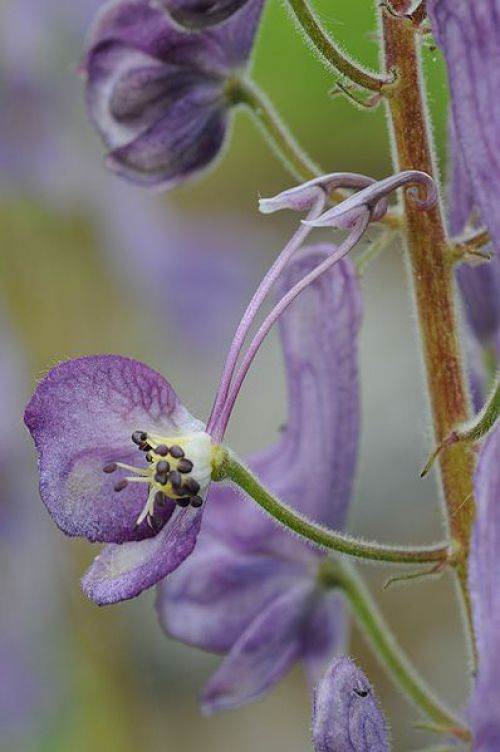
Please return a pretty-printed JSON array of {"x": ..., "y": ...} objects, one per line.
[{"x": 117, "y": 683}]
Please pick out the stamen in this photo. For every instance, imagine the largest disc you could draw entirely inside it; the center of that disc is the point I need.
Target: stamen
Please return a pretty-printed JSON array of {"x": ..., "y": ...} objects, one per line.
[
  {"x": 162, "y": 450},
  {"x": 177, "y": 452},
  {"x": 196, "y": 501},
  {"x": 163, "y": 466},
  {"x": 191, "y": 485},
  {"x": 110, "y": 467},
  {"x": 184, "y": 502},
  {"x": 184, "y": 466},
  {"x": 121, "y": 485},
  {"x": 139, "y": 437}
]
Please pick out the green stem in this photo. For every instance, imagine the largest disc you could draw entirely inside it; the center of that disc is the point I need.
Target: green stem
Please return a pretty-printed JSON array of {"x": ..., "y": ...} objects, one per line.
[
  {"x": 245, "y": 92},
  {"x": 391, "y": 657},
  {"x": 323, "y": 43},
  {"x": 322, "y": 536}
]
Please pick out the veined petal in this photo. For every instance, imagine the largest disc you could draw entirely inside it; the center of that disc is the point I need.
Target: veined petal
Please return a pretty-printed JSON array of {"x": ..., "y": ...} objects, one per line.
[
  {"x": 124, "y": 570},
  {"x": 262, "y": 655},
  {"x": 212, "y": 598},
  {"x": 346, "y": 716},
  {"x": 484, "y": 576},
  {"x": 81, "y": 417}
]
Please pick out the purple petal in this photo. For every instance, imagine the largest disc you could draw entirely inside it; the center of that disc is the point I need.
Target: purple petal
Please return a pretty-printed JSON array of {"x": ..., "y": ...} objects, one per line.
[
  {"x": 469, "y": 35},
  {"x": 124, "y": 570},
  {"x": 484, "y": 576},
  {"x": 213, "y": 597},
  {"x": 346, "y": 716},
  {"x": 479, "y": 284},
  {"x": 302, "y": 197},
  {"x": 82, "y": 416},
  {"x": 374, "y": 197},
  {"x": 325, "y": 635},
  {"x": 262, "y": 655}
]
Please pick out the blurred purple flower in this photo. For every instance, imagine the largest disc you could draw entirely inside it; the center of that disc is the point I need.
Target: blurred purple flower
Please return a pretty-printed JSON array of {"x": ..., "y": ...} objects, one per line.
[
  {"x": 199, "y": 14},
  {"x": 159, "y": 95},
  {"x": 28, "y": 687},
  {"x": 249, "y": 589},
  {"x": 346, "y": 714},
  {"x": 469, "y": 35},
  {"x": 484, "y": 577}
]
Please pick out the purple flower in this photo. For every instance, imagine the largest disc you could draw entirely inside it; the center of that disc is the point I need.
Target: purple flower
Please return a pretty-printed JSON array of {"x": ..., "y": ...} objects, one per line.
[
  {"x": 159, "y": 96},
  {"x": 199, "y": 14},
  {"x": 120, "y": 461},
  {"x": 484, "y": 577},
  {"x": 346, "y": 714},
  {"x": 250, "y": 590},
  {"x": 469, "y": 35}
]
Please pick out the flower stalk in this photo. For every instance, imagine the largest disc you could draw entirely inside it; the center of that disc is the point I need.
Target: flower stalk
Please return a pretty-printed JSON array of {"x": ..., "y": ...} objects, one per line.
[
  {"x": 371, "y": 621},
  {"x": 322, "y": 536},
  {"x": 432, "y": 275}
]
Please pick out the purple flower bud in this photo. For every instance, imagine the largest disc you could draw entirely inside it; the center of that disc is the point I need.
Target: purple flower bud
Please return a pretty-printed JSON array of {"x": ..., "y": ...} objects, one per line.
[
  {"x": 346, "y": 714},
  {"x": 159, "y": 95},
  {"x": 199, "y": 14}
]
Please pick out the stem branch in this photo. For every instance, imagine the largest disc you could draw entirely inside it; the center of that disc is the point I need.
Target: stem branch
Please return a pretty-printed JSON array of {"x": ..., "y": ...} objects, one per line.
[{"x": 322, "y": 536}]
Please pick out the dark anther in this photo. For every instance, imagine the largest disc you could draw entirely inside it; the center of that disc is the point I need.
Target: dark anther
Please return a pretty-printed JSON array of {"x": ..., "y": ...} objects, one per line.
[
  {"x": 184, "y": 466},
  {"x": 175, "y": 478},
  {"x": 361, "y": 692},
  {"x": 121, "y": 485},
  {"x": 196, "y": 501},
  {"x": 162, "y": 450},
  {"x": 162, "y": 466},
  {"x": 155, "y": 524},
  {"x": 160, "y": 498},
  {"x": 144, "y": 448},
  {"x": 191, "y": 485},
  {"x": 177, "y": 452},
  {"x": 149, "y": 457},
  {"x": 184, "y": 502},
  {"x": 110, "y": 467},
  {"x": 139, "y": 437},
  {"x": 161, "y": 478}
]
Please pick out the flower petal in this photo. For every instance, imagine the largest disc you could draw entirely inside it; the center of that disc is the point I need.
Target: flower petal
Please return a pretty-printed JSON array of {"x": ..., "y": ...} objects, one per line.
[
  {"x": 262, "y": 655},
  {"x": 469, "y": 35},
  {"x": 484, "y": 576},
  {"x": 346, "y": 716},
  {"x": 326, "y": 634},
  {"x": 82, "y": 416},
  {"x": 213, "y": 597},
  {"x": 124, "y": 570},
  {"x": 198, "y": 14}
]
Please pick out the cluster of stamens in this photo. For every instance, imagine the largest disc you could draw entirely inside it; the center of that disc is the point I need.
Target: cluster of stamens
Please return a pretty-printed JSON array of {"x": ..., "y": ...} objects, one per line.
[{"x": 168, "y": 474}]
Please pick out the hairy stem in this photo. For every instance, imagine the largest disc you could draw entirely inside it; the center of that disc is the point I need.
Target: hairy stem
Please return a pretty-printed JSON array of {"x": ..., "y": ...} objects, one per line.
[
  {"x": 433, "y": 281},
  {"x": 371, "y": 621},
  {"x": 322, "y": 536},
  {"x": 323, "y": 43}
]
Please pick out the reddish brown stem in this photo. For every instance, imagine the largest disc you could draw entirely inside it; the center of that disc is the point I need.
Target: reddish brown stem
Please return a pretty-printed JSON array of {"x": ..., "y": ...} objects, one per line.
[{"x": 432, "y": 275}]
